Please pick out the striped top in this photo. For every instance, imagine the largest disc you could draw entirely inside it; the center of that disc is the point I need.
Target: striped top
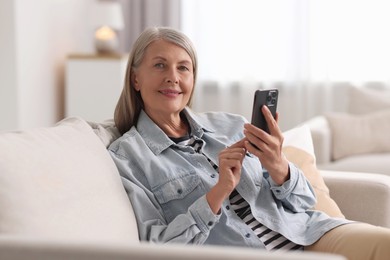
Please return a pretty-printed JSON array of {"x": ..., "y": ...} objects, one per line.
[{"x": 272, "y": 240}]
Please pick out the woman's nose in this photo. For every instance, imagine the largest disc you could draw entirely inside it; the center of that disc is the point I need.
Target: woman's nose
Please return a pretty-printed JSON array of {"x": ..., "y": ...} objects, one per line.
[{"x": 172, "y": 77}]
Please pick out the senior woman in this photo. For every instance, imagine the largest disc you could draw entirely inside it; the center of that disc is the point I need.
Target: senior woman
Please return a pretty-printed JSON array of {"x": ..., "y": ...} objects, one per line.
[{"x": 196, "y": 178}]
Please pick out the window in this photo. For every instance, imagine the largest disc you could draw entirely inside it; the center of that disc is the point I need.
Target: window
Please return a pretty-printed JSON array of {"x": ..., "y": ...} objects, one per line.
[{"x": 290, "y": 40}]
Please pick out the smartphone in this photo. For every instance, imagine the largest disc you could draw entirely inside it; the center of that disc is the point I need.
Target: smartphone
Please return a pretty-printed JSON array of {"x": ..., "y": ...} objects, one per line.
[{"x": 268, "y": 97}]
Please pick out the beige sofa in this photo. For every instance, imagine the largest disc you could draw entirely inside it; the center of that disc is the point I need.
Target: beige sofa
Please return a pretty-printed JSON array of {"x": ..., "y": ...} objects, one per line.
[
  {"x": 325, "y": 144},
  {"x": 61, "y": 197},
  {"x": 354, "y": 138}
]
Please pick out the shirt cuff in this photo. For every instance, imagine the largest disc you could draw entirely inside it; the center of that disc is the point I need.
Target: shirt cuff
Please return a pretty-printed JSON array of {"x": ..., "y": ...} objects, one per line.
[
  {"x": 282, "y": 191},
  {"x": 203, "y": 215}
]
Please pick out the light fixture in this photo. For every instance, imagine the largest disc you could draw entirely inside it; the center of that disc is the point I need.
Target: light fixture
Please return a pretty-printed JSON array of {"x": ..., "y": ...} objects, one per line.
[{"x": 107, "y": 17}]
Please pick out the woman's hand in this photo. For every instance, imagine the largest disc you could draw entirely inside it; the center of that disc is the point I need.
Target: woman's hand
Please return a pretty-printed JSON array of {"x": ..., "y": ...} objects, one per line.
[
  {"x": 268, "y": 147},
  {"x": 230, "y": 163}
]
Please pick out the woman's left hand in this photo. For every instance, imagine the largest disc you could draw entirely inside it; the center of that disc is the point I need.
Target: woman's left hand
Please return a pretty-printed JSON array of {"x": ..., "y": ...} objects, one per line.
[{"x": 268, "y": 147}]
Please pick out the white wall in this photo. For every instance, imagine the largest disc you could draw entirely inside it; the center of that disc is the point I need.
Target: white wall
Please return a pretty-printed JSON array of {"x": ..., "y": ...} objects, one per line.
[
  {"x": 36, "y": 37},
  {"x": 8, "y": 90}
]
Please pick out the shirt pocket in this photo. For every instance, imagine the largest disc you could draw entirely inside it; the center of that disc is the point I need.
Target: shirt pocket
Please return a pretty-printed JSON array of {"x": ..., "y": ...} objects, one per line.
[{"x": 177, "y": 195}]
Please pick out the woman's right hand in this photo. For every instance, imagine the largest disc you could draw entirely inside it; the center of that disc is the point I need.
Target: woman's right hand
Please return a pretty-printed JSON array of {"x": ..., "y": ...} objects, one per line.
[{"x": 230, "y": 164}]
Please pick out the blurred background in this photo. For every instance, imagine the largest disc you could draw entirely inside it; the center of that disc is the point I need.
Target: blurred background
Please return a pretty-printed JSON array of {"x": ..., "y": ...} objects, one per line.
[{"x": 55, "y": 64}]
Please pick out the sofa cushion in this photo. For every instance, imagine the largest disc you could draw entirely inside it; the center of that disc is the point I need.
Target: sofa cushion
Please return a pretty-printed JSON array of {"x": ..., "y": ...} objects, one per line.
[
  {"x": 60, "y": 183},
  {"x": 368, "y": 100},
  {"x": 371, "y": 163},
  {"x": 359, "y": 134},
  {"x": 298, "y": 149},
  {"x": 106, "y": 131}
]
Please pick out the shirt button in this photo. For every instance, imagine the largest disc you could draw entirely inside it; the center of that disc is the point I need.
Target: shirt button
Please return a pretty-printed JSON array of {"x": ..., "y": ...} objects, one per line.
[
  {"x": 227, "y": 207},
  {"x": 180, "y": 191},
  {"x": 247, "y": 235},
  {"x": 210, "y": 223}
]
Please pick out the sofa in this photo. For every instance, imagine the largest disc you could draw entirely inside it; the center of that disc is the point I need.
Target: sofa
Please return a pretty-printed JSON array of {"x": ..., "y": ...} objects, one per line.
[
  {"x": 61, "y": 197},
  {"x": 357, "y": 138},
  {"x": 324, "y": 140}
]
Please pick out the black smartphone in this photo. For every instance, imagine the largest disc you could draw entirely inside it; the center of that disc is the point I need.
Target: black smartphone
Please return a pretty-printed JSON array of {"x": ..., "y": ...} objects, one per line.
[{"x": 268, "y": 97}]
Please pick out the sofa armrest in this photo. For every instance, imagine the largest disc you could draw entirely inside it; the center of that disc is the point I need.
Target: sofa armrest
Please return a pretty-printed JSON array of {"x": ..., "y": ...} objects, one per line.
[
  {"x": 33, "y": 249},
  {"x": 322, "y": 139},
  {"x": 361, "y": 196}
]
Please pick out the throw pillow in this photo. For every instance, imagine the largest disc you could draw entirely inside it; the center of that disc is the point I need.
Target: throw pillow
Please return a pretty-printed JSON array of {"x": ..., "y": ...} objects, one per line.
[
  {"x": 367, "y": 100},
  {"x": 298, "y": 149},
  {"x": 60, "y": 183},
  {"x": 106, "y": 131},
  {"x": 358, "y": 134}
]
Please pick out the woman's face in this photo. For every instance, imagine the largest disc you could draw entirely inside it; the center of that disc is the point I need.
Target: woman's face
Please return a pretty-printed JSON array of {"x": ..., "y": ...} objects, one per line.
[{"x": 165, "y": 78}]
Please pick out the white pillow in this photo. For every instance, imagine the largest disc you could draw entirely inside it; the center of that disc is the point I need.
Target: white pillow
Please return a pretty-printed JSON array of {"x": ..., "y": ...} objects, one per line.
[
  {"x": 359, "y": 134},
  {"x": 106, "y": 131},
  {"x": 299, "y": 137},
  {"x": 298, "y": 149},
  {"x": 60, "y": 183}
]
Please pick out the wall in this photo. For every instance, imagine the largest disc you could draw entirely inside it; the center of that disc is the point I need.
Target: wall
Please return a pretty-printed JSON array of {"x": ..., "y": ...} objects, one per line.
[
  {"x": 36, "y": 37},
  {"x": 8, "y": 91}
]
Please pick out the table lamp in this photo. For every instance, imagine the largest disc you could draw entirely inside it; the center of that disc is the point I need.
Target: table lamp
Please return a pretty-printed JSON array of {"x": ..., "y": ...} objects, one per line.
[{"x": 107, "y": 17}]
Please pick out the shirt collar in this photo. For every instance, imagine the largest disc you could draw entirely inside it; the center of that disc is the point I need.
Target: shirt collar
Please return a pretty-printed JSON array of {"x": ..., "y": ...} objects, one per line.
[
  {"x": 197, "y": 123},
  {"x": 158, "y": 141}
]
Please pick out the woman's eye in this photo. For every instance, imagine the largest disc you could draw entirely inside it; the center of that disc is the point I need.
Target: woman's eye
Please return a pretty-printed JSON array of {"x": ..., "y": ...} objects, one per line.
[
  {"x": 159, "y": 65},
  {"x": 183, "y": 68}
]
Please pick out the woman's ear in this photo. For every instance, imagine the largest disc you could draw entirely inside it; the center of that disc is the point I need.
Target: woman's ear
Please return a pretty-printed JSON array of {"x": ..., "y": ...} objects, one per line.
[{"x": 134, "y": 80}]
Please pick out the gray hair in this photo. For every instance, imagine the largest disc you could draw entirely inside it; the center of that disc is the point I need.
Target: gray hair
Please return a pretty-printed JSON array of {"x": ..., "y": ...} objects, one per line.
[{"x": 130, "y": 102}]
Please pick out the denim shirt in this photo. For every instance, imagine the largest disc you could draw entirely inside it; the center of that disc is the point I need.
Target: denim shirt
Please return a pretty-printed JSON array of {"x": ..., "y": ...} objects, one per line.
[{"x": 167, "y": 184}]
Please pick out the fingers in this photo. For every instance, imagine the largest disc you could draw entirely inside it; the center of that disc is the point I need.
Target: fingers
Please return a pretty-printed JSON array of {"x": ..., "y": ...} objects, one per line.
[
  {"x": 232, "y": 153},
  {"x": 235, "y": 151},
  {"x": 256, "y": 136},
  {"x": 234, "y": 165},
  {"x": 277, "y": 117},
  {"x": 230, "y": 163},
  {"x": 271, "y": 121},
  {"x": 260, "y": 142},
  {"x": 239, "y": 144},
  {"x": 232, "y": 157}
]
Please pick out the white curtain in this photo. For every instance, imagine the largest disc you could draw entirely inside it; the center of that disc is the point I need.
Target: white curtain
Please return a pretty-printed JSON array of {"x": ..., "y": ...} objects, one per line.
[
  {"x": 309, "y": 49},
  {"x": 139, "y": 14}
]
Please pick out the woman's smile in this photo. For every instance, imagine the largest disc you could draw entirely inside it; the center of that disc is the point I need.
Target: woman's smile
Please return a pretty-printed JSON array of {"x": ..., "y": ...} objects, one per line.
[{"x": 171, "y": 93}]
